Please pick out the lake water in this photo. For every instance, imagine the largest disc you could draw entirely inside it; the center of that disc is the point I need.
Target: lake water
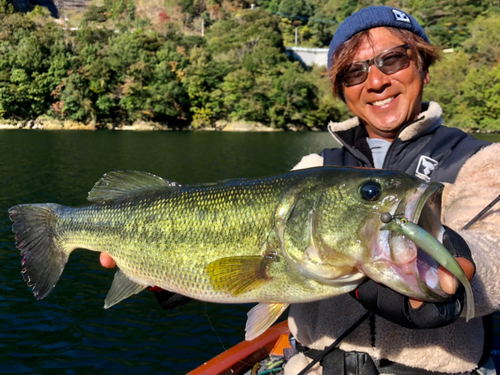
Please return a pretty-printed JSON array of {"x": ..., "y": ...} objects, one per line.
[{"x": 69, "y": 332}]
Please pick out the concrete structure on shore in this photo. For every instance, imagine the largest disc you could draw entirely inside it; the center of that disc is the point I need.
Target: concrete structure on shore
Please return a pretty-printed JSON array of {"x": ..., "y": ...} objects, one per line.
[{"x": 308, "y": 56}]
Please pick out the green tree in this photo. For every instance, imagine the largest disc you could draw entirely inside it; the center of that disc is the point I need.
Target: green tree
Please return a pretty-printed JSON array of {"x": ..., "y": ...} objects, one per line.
[
  {"x": 247, "y": 33},
  {"x": 76, "y": 100},
  {"x": 329, "y": 107},
  {"x": 446, "y": 76},
  {"x": 204, "y": 77},
  {"x": 6, "y": 7},
  {"x": 479, "y": 104},
  {"x": 296, "y": 8},
  {"x": 166, "y": 97},
  {"x": 244, "y": 95},
  {"x": 484, "y": 43},
  {"x": 33, "y": 62},
  {"x": 294, "y": 97},
  {"x": 446, "y": 21},
  {"x": 326, "y": 19},
  {"x": 96, "y": 13}
]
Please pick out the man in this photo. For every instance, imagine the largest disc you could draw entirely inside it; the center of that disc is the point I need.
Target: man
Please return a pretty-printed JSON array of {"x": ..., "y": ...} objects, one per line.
[
  {"x": 379, "y": 60},
  {"x": 378, "y": 64}
]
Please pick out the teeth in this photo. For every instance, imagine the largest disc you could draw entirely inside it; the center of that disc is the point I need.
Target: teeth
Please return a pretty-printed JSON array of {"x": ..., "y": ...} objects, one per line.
[{"x": 380, "y": 103}]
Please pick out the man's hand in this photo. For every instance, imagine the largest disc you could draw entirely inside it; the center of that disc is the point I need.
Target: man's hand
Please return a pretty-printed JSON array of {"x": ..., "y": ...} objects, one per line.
[
  {"x": 448, "y": 282},
  {"x": 107, "y": 261}
]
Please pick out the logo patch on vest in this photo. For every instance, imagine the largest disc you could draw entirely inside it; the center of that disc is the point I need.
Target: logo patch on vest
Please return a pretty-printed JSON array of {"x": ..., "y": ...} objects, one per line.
[
  {"x": 400, "y": 16},
  {"x": 425, "y": 167}
]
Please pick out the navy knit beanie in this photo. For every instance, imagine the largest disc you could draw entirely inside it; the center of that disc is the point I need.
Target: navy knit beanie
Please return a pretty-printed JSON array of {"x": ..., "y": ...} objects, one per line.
[{"x": 369, "y": 18}]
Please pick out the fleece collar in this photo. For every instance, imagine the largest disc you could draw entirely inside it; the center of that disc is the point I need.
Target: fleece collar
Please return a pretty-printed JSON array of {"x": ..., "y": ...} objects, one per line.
[{"x": 430, "y": 118}]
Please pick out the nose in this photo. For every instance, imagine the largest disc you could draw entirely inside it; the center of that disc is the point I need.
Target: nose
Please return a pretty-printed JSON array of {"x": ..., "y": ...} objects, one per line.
[{"x": 376, "y": 80}]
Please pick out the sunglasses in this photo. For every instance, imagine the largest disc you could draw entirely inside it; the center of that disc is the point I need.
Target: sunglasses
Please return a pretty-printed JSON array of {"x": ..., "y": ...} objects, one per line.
[{"x": 387, "y": 62}]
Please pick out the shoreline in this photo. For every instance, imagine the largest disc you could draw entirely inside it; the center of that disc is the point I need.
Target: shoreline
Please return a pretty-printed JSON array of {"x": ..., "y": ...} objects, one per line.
[
  {"x": 224, "y": 126},
  {"x": 140, "y": 125}
]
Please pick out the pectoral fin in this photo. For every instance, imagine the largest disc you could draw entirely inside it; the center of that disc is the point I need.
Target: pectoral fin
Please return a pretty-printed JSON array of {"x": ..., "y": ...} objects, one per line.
[
  {"x": 261, "y": 317},
  {"x": 237, "y": 275},
  {"x": 121, "y": 288}
]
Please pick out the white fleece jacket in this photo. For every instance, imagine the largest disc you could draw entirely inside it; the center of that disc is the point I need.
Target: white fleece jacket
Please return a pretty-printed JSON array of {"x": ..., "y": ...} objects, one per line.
[{"x": 455, "y": 348}]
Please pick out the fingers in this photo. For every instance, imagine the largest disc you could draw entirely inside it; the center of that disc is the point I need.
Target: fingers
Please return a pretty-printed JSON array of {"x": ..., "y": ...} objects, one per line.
[
  {"x": 467, "y": 266},
  {"x": 448, "y": 282},
  {"x": 415, "y": 303},
  {"x": 107, "y": 261}
]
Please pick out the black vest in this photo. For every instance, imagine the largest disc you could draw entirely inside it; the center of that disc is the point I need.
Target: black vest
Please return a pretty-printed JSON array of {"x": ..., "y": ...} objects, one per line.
[{"x": 435, "y": 155}]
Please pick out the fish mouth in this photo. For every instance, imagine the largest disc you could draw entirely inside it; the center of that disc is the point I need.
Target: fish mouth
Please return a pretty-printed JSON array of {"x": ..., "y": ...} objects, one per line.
[{"x": 402, "y": 265}]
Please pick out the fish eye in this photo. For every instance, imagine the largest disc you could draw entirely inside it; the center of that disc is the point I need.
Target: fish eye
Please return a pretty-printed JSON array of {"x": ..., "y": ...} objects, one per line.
[{"x": 370, "y": 191}]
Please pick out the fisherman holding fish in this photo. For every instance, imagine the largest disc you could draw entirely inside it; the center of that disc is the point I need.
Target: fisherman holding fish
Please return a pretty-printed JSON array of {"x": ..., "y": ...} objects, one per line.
[{"x": 378, "y": 62}]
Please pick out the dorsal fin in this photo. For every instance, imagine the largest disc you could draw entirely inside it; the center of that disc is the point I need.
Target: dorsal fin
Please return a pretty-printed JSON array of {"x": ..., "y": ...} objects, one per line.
[{"x": 117, "y": 184}]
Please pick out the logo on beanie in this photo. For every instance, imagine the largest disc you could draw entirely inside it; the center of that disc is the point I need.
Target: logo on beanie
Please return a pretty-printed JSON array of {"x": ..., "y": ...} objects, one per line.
[{"x": 400, "y": 16}]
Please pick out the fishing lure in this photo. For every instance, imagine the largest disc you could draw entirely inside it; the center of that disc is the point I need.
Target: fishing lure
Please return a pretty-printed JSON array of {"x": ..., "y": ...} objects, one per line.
[{"x": 434, "y": 248}]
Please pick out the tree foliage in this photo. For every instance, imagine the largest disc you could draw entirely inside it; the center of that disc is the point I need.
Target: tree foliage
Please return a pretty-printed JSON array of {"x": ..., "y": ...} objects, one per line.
[{"x": 119, "y": 67}]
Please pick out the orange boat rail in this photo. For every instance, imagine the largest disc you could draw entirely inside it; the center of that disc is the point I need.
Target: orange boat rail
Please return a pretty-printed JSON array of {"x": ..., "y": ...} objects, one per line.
[{"x": 244, "y": 355}]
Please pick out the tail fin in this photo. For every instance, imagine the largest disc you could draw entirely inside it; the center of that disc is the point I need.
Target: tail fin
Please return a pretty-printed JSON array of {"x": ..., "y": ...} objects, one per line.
[{"x": 43, "y": 260}]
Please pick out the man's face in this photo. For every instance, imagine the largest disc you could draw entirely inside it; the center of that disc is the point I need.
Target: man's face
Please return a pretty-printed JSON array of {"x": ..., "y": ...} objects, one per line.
[{"x": 384, "y": 102}]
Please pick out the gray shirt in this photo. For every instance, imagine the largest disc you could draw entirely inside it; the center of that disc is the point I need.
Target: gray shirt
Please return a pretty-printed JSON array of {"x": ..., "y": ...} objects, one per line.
[{"x": 379, "y": 148}]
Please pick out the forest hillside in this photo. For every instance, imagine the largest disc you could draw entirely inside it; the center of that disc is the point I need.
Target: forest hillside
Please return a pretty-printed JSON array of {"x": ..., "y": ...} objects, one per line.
[{"x": 189, "y": 64}]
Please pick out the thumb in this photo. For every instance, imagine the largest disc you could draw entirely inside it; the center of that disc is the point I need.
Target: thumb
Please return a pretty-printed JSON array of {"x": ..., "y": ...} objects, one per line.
[
  {"x": 448, "y": 282},
  {"x": 107, "y": 261}
]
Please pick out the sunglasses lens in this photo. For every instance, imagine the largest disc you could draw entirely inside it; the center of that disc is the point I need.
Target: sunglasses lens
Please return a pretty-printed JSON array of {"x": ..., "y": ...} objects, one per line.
[
  {"x": 392, "y": 61},
  {"x": 355, "y": 74}
]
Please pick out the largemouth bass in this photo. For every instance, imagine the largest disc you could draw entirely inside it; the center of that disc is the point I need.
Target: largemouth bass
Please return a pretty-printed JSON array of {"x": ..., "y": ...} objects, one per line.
[{"x": 296, "y": 237}]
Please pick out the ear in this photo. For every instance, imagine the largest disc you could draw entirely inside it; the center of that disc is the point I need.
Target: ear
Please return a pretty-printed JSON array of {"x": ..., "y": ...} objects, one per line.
[{"x": 427, "y": 77}]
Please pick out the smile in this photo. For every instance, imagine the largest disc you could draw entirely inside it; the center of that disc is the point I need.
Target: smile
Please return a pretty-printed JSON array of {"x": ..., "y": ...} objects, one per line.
[{"x": 380, "y": 103}]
